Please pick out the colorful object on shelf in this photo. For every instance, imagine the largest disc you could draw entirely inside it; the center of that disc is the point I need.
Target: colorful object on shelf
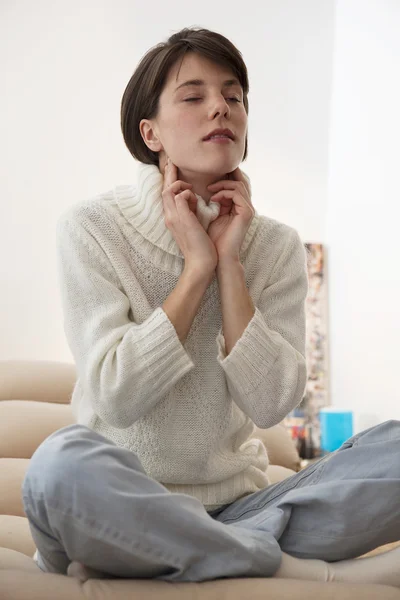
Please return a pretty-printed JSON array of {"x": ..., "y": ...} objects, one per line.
[
  {"x": 301, "y": 433},
  {"x": 336, "y": 427}
]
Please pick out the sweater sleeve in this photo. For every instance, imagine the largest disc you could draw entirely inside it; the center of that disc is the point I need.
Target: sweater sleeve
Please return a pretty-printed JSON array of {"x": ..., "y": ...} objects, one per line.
[
  {"x": 124, "y": 368},
  {"x": 266, "y": 369}
]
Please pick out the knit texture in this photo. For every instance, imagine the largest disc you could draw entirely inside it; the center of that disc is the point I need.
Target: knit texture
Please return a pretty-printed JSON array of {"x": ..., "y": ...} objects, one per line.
[{"x": 187, "y": 410}]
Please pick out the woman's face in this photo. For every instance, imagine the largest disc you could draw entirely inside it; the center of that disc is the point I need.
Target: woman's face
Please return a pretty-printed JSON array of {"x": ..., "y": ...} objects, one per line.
[{"x": 187, "y": 113}]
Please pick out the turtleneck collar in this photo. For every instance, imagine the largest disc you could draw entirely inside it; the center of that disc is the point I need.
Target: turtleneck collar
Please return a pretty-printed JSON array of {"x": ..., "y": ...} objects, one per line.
[{"x": 142, "y": 206}]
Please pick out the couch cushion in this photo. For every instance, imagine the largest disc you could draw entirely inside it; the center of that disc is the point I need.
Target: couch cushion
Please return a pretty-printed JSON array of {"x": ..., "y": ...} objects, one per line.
[
  {"x": 280, "y": 446},
  {"x": 21, "y": 582},
  {"x": 25, "y": 424},
  {"x": 12, "y": 473},
  {"x": 41, "y": 380},
  {"x": 11, "y": 559},
  {"x": 277, "y": 473},
  {"x": 15, "y": 534}
]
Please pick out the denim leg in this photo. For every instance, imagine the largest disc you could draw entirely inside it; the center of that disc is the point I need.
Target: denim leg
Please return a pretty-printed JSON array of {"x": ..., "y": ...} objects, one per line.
[
  {"x": 338, "y": 508},
  {"x": 89, "y": 500}
]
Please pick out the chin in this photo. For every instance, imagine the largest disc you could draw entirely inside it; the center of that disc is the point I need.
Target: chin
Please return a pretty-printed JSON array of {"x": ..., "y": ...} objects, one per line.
[
  {"x": 210, "y": 167},
  {"x": 217, "y": 169}
]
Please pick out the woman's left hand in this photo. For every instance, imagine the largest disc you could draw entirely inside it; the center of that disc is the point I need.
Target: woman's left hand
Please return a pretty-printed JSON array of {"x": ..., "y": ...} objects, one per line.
[{"x": 228, "y": 231}]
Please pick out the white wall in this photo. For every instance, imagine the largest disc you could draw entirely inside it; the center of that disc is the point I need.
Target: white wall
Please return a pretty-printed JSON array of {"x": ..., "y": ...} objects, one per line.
[
  {"x": 363, "y": 232},
  {"x": 64, "y": 68}
]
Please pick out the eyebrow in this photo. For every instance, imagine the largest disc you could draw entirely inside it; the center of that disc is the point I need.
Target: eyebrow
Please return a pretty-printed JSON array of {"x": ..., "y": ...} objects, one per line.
[{"x": 200, "y": 82}]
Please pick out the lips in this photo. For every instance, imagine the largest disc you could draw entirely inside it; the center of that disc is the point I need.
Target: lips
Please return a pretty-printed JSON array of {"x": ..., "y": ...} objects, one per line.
[{"x": 221, "y": 132}]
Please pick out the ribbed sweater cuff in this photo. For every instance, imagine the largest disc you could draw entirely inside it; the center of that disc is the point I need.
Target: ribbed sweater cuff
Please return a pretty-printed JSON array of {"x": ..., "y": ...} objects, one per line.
[
  {"x": 166, "y": 355},
  {"x": 251, "y": 357}
]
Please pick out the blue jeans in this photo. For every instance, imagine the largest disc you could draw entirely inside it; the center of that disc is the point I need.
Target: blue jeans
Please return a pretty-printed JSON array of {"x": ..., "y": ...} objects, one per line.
[{"x": 89, "y": 500}]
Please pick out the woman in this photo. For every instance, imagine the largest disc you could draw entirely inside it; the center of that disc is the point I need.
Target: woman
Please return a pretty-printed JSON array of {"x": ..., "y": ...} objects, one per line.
[{"x": 185, "y": 312}]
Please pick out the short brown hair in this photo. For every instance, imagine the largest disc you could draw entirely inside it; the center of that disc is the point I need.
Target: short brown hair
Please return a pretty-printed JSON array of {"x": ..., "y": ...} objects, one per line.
[{"x": 141, "y": 96}]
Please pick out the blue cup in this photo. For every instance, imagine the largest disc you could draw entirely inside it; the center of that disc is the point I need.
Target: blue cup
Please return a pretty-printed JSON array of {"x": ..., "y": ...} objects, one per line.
[{"x": 336, "y": 427}]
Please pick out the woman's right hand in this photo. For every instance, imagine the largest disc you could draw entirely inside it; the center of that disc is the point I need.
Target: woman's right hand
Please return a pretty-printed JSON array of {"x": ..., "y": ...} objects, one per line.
[{"x": 180, "y": 218}]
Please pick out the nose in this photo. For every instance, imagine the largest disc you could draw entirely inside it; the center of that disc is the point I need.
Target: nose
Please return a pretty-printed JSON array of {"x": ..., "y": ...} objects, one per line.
[{"x": 220, "y": 106}]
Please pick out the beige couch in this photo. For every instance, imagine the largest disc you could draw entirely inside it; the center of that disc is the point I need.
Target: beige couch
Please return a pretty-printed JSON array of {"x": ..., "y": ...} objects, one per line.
[{"x": 34, "y": 402}]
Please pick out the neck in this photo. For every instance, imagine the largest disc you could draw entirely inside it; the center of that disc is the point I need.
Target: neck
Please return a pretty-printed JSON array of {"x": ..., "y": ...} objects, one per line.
[
  {"x": 200, "y": 181},
  {"x": 142, "y": 205}
]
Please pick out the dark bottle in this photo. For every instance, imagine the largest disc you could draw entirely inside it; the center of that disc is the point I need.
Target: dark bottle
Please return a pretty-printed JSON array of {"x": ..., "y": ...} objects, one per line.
[{"x": 309, "y": 449}]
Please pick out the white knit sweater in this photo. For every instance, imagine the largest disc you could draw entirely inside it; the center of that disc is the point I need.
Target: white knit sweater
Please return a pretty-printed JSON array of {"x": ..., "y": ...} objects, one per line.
[{"x": 187, "y": 410}]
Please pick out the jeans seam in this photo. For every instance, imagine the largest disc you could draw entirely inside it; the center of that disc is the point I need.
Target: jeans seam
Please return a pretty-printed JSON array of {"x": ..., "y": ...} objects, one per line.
[
  {"x": 341, "y": 537},
  {"x": 274, "y": 497}
]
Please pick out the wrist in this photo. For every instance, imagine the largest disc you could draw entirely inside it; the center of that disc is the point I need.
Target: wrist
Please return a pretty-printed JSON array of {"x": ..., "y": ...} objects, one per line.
[
  {"x": 199, "y": 273},
  {"x": 228, "y": 262}
]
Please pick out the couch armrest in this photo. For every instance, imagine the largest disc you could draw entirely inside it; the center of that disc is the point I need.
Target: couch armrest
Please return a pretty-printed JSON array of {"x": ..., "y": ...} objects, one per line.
[
  {"x": 43, "y": 381},
  {"x": 12, "y": 473},
  {"x": 24, "y": 425}
]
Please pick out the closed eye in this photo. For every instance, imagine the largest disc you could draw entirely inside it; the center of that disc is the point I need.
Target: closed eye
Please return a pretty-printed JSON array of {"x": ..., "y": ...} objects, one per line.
[{"x": 194, "y": 99}]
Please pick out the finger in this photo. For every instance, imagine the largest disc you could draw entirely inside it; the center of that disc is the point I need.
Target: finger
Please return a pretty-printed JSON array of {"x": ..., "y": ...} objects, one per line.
[
  {"x": 238, "y": 175},
  {"x": 169, "y": 205},
  {"x": 182, "y": 208},
  {"x": 240, "y": 186},
  {"x": 167, "y": 176},
  {"x": 170, "y": 173},
  {"x": 233, "y": 195},
  {"x": 229, "y": 194},
  {"x": 182, "y": 198},
  {"x": 169, "y": 195},
  {"x": 173, "y": 169},
  {"x": 182, "y": 201},
  {"x": 179, "y": 186},
  {"x": 189, "y": 198}
]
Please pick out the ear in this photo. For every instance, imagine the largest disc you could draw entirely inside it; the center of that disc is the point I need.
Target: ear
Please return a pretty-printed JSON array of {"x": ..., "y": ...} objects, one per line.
[{"x": 149, "y": 134}]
